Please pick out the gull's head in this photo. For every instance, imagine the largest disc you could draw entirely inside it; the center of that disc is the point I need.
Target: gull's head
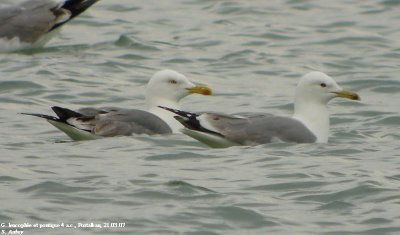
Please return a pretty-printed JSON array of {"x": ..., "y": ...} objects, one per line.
[
  {"x": 320, "y": 88},
  {"x": 313, "y": 92},
  {"x": 172, "y": 86}
]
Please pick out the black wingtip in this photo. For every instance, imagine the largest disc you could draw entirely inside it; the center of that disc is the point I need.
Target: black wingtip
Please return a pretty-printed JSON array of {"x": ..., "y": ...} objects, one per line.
[
  {"x": 189, "y": 120},
  {"x": 47, "y": 117},
  {"x": 75, "y": 7},
  {"x": 184, "y": 121},
  {"x": 64, "y": 114},
  {"x": 180, "y": 112}
]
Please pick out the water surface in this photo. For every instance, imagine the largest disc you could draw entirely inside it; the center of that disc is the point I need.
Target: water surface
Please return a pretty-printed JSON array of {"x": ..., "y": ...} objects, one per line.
[{"x": 252, "y": 53}]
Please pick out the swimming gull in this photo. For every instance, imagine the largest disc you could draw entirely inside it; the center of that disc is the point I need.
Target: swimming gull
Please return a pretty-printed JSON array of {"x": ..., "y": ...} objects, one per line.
[
  {"x": 166, "y": 88},
  {"x": 310, "y": 122},
  {"x": 33, "y": 22}
]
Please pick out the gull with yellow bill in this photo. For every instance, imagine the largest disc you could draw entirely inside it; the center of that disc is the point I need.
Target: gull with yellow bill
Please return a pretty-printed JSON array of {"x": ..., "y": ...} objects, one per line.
[
  {"x": 309, "y": 123},
  {"x": 165, "y": 88}
]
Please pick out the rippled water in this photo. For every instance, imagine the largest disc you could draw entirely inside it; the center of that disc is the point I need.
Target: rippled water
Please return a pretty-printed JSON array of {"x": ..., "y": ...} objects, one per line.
[{"x": 252, "y": 53}]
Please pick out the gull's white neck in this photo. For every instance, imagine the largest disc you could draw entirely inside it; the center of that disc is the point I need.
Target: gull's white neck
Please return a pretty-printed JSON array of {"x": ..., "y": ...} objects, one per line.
[
  {"x": 315, "y": 116},
  {"x": 166, "y": 116}
]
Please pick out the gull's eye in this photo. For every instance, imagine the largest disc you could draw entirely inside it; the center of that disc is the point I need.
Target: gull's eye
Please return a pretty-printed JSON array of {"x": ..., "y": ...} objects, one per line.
[
  {"x": 172, "y": 81},
  {"x": 323, "y": 84}
]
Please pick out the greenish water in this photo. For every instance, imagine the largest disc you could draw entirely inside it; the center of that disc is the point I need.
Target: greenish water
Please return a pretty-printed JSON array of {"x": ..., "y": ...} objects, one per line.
[{"x": 252, "y": 53}]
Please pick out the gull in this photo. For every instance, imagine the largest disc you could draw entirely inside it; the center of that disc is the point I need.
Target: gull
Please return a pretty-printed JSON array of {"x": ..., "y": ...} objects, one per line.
[
  {"x": 165, "y": 88},
  {"x": 309, "y": 123},
  {"x": 34, "y": 22}
]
